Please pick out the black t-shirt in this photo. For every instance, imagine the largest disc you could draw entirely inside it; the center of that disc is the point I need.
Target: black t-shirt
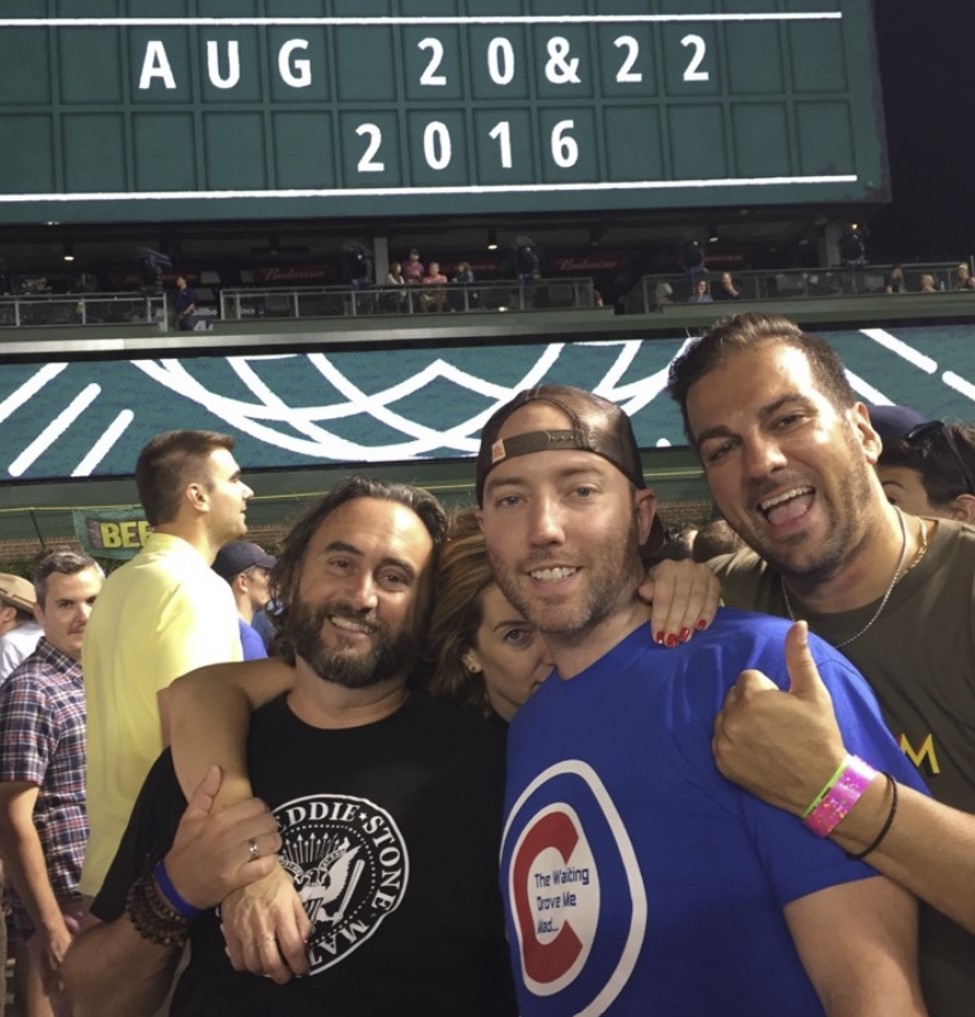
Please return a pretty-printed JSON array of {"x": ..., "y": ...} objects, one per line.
[{"x": 391, "y": 835}]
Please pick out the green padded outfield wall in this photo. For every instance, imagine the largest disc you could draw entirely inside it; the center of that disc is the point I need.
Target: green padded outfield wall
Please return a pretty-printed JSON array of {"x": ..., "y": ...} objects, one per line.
[{"x": 207, "y": 109}]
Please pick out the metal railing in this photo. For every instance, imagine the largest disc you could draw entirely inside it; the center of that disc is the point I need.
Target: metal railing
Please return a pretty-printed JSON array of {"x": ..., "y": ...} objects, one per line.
[
  {"x": 345, "y": 301},
  {"x": 84, "y": 309},
  {"x": 656, "y": 292}
]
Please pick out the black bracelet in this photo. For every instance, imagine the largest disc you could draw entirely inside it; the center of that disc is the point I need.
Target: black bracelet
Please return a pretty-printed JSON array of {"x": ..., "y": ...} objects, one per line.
[{"x": 888, "y": 822}]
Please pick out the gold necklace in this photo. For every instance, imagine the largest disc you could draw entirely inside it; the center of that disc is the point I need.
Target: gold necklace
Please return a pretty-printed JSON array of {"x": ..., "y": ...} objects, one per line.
[
  {"x": 922, "y": 549},
  {"x": 890, "y": 587}
]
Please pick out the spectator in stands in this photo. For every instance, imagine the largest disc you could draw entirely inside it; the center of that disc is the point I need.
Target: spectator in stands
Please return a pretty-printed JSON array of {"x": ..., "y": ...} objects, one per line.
[
  {"x": 528, "y": 265},
  {"x": 43, "y": 827},
  {"x": 663, "y": 294},
  {"x": 396, "y": 282},
  {"x": 927, "y": 468},
  {"x": 928, "y": 284},
  {"x": 853, "y": 254},
  {"x": 483, "y": 652},
  {"x": 357, "y": 265},
  {"x": 19, "y": 629},
  {"x": 185, "y": 305},
  {"x": 434, "y": 296},
  {"x": 693, "y": 255},
  {"x": 463, "y": 298},
  {"x": 247, "y": 567},
  {"x": 702, "y": 292},
  {"x": 964, "y": 280},
  {"x": 726, "y": 288},
  {"x": 852, "y": 247},
  {"x": 395, "y": 275},
  {"x": 894, "y": 280},
  {"x": 161, "y": 614},
  {"x": 463, "y": 274},
  {"x": 413, "y": 270}
]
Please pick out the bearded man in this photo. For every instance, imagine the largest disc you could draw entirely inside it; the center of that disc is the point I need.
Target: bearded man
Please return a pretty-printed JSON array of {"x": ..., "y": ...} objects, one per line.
[{"x": 388, "y": 806}]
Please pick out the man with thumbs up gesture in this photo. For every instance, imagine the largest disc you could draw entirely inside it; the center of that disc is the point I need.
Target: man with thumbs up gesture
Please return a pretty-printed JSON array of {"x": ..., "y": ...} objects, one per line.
[
  {"x": 782, "y": 746},
  {"x": 789, "y": 452}
]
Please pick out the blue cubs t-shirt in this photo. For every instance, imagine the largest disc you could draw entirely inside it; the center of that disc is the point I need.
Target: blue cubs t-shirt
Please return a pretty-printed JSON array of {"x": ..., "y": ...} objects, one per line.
[{"x": 637, "y": 880}]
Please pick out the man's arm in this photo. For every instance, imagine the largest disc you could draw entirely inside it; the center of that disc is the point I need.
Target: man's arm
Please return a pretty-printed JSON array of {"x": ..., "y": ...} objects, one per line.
[
  {"x": 858, "y": 944},
  {"x": 112, "y": 970},
  {"x": 209, "y": 713},
  {"x": 264, "y": 924},
  {"x": 198, "y": 626},
  {"x": 26, "y": 868},
  {"x": 783, "y": 746}
]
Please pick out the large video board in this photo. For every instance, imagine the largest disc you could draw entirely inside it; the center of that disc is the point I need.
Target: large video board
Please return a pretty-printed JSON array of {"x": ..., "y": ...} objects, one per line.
[
  {"x": 87, "y": 418},
  {"x": 208, "y": 109}
]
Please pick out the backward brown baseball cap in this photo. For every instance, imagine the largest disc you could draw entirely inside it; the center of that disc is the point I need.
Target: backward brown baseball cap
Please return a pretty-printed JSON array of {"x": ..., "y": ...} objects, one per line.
[
  {"x": 596, "y": 425},
  {"x": 17, "y": 592}
]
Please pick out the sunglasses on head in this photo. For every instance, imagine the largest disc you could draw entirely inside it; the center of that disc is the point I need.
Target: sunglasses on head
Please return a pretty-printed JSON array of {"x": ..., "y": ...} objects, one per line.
[{"x": 924, "y": 432}]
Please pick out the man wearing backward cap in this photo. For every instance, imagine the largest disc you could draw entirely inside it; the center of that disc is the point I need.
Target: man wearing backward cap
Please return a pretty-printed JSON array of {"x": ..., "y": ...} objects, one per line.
[{"x": 632, "y": 870}]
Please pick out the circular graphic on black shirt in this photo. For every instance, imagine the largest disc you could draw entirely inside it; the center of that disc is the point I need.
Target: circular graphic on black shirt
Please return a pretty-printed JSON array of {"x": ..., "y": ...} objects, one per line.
[{"x": 348, "y": 861}]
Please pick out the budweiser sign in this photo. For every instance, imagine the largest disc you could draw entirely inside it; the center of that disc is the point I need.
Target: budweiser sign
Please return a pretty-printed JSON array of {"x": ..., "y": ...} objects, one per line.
[
  {"x": 589, "y": 263},
  {"x": 293, "y": 273}
]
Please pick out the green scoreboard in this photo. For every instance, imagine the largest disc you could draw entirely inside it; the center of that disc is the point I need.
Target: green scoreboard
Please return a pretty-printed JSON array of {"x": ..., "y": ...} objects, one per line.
[{"x": 210, "y": 109}]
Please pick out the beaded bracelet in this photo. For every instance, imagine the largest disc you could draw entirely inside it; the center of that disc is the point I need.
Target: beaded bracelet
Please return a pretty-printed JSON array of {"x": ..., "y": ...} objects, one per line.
[
  {"x": 152, "y": 917},
  {"x": 847, "y": 786},
  {"x": 888, "y": 822}
]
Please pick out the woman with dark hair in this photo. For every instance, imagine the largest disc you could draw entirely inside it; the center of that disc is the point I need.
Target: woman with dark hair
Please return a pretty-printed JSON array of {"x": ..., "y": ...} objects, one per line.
[{"x": 483, "y": 652}]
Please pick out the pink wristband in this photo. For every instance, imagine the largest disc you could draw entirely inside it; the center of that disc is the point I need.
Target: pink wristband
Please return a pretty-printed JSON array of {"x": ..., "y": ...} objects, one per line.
[{"x": 854, "y": 779}]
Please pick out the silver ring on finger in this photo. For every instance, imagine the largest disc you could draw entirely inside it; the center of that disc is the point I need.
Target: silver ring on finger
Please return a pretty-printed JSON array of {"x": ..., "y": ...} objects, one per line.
[{"x": 253, "y": 850}]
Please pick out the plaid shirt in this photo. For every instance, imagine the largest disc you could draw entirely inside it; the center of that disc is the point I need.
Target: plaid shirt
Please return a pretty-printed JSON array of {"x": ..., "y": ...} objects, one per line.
[{"x": 42, "y": 741}]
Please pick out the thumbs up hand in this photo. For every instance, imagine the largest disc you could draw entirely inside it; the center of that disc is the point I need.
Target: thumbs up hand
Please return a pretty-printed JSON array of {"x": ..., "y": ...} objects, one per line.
[
  {"x": 804, "y": 679},
  {"x": 781, "y": 746}
]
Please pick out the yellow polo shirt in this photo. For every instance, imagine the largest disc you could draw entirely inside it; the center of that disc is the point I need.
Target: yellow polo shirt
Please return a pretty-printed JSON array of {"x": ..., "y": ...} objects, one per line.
[{"x": 160, "y": 615}]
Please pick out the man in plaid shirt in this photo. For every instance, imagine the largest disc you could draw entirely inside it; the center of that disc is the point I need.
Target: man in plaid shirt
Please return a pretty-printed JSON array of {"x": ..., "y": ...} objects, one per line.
[{"x": 43, "y": 825}]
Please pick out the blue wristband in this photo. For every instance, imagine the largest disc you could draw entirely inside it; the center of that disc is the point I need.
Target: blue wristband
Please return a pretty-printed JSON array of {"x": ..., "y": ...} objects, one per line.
[{"x": 171, "y": 894}]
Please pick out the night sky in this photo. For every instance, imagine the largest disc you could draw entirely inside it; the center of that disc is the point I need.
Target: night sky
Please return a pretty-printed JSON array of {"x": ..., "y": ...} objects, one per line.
[{"x": 927, "y": 56}]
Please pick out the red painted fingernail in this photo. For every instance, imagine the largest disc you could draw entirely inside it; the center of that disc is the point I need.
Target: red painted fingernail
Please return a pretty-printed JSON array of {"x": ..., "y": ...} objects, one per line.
[
  {"x": 671, "y": 640},
  {"x": 659, "y": 637},
  {"x": 684, "y": 634},
  {"x": 701, "y": 625}
]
